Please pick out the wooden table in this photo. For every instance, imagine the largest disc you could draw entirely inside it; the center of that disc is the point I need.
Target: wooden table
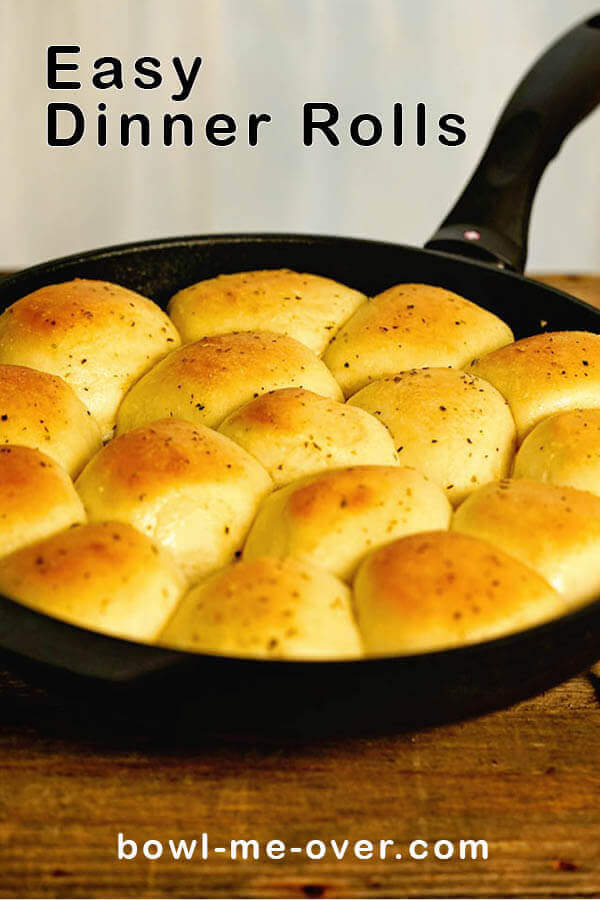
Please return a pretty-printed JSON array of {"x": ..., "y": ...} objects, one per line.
[{"x": 527, "y": 780}]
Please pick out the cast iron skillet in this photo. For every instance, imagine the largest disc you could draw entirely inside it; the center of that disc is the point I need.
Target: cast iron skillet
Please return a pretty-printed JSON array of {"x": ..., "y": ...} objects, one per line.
[{"x": 488, "y": 230}]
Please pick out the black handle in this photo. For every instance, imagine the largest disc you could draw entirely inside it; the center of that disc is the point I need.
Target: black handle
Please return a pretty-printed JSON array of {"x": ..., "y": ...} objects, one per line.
[{"x": 490, "y": 220}]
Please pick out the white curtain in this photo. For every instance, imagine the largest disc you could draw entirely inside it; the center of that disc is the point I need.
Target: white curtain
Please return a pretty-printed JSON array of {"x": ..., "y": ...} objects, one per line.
[{"x": 272, "y": 56}]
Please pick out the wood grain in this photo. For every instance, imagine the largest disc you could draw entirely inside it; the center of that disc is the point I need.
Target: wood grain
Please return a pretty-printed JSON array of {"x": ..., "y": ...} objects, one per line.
[
  {"x": 526, "y": 779},
  {"x": 586, "y": 287}
]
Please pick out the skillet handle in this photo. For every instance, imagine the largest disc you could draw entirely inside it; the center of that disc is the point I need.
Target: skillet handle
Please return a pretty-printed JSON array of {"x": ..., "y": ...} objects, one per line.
[{"x": 490, "y": 220}]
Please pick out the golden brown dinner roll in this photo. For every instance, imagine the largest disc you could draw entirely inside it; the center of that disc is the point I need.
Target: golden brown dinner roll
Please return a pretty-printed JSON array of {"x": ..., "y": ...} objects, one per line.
[
  {"x": 96, "y": 335},
  {"x": 563, "y": 449},
  {"x": 294, "y": 432},
  {"x": 555, "y": 530},
  {"x": 104, "y": 576},
  {"x": 410, "y": 326},
  {"x": 206, "y": 381},
  {"x": 439, "y": 589},
  {"x": 453, "y": 427},
  {"x": 331, "y": 520},
  {"x": 267, "y": 608},
  {"x": 186, "y": 487},
  {"x": 544, "y": 374},
  {"x": 309, "y": 308},
  {"x": 41, "y": 411},
  {"x": 37, "y": 498}
]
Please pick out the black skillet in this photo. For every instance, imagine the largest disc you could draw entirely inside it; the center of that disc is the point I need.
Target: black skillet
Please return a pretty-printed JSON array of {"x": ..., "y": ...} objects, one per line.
[{"x": 482, "y": 239}]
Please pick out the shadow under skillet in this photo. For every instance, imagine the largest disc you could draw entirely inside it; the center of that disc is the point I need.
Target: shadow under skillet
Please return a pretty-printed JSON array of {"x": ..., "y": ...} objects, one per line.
[{"x": 206, "y": 700}]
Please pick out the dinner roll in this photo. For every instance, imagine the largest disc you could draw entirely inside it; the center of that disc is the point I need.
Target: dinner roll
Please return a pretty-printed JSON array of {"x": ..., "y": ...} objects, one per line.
[
  {"x": 439, "y": 589},
  {"x": 309, "y": 308},
  {"x": 555, "y": 530},
  {"x": 104, "y": 576},
  {"x": 186, "y": 487},
  {"x": 563, "y": 449},
  {"x": 332, "y": 519},
  {"x": 545, "y": 374},
  {"x": 37, "y": 498},
  {"x": 41, "y": 411},
  {"x": 455, "y": 428},
  {"x": 410, "y": 326},
  {"x": 96, "y": 335},
  {"x": 204, "y": 382},
  {"x": 272, "y": 608},
  {"x": 294, "y": 432}
]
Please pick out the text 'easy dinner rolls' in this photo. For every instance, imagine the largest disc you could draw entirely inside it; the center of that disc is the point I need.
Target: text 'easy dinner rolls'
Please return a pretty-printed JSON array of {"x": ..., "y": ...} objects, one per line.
[
  {"x": 294, "y": 432},
  {"x": 437, "y": 590},
  {"x": 41, "y": 411},
  {"x": 206, "y": 381},
  {"x": 189, "y": 488},
  {"x": 271, "y": 608},
  {"x": 563, "y": 449},
  {"x": 410, "y": 326},
  {"x": 453, "y": 427},
  {"x": 96, "y": 335},
  {"x": 309, "y": 308},
  {"x": 105, "y": 576},
  {"x": 37, "y": 498},
  {"x": 544, "y": 374},
  {"x": 332, "y": 519},
  {"x": 554, "y": 530}
]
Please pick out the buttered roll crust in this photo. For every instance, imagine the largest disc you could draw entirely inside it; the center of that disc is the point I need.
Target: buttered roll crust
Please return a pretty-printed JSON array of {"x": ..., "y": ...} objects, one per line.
[
  {"x": 437, "y": 590},
  {"x": 269, "y": 608},
  {"x": 554, "y": 530},
  {"x": 295, "y": 432},
  {"x": 41, "y": 411},
  {"x": 410, "y": 326},
  {"x": 105, "y": 576},
  {"x": 332, "y": 519},
  {"x": 307, "y": 307},
  {"x": 37, "y": 498},
  {"x": 206, "y": 381},
  {"x": 453, "y": 427},
  {"x": 97, "y": 336},
  {"x": 563, "y": 449},
  {"x": 185, "y": 486},
  {"x": 544, "y": 374}
]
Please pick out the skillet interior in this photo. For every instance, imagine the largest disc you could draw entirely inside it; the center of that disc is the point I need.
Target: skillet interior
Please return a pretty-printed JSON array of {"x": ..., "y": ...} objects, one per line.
[{"x": 301, "y": 698}]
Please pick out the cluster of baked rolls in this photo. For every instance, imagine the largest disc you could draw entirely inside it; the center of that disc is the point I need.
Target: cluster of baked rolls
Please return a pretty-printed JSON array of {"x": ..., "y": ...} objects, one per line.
[{"x": 282, "y": 467}]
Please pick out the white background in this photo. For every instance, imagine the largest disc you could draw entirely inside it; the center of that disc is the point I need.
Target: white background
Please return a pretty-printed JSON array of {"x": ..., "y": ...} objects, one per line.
[{"x": 272, "y": 56}]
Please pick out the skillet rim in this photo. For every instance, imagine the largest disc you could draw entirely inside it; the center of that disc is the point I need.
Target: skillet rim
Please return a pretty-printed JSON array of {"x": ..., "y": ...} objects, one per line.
[
  {"x": 114, "y": 250},
  {"x": 158, "y": 654}
]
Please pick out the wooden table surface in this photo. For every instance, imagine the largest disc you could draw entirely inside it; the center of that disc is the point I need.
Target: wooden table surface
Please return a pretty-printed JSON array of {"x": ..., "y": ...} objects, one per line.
[{"x": 526, "y": 780}]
